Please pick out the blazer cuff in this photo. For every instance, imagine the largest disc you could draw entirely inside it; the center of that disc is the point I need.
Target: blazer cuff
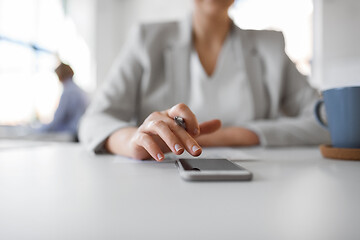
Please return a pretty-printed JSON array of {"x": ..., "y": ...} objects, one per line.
[
  {"x": 96, "y": 141},
  {"x": 259, "y": 132},
  {"x": 289, "y": 132}
]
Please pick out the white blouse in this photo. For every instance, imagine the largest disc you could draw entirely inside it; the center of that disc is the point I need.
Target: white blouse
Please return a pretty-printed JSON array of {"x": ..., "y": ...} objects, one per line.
[{"x": 226, "y": 94}]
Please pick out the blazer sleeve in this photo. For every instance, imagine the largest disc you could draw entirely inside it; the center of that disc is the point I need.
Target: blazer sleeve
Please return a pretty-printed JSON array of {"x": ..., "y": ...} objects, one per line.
[
  {"x": 114, "y": 105},
  {"x": 295, "y": 123}
]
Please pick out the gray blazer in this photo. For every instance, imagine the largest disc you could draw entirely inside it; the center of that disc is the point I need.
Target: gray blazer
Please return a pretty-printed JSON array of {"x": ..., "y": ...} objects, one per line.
[{"x": 152, "y": 73}]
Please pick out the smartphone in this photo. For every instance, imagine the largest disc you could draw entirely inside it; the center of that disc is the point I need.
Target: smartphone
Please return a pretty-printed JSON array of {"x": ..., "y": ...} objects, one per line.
[{"x": 209, "y": 169}]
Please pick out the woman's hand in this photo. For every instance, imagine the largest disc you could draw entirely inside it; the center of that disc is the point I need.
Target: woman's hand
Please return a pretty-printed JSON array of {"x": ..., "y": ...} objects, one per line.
[
  {"x": 160, "y": 134},
  {"x": 229, "y": 136}
]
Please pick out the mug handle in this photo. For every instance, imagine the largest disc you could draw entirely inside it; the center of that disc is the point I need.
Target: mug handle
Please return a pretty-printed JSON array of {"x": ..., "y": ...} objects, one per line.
[{"x": 318, "y": 104}]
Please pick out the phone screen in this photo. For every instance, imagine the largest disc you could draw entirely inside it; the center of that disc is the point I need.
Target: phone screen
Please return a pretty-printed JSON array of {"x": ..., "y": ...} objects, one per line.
[
  {"x": 202, "y": 164},
  {"x": 211, "y": 169}
]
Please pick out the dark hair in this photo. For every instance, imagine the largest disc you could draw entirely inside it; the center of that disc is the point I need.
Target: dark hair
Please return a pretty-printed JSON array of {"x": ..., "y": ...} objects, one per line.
[{"x": 64, "y": 71}]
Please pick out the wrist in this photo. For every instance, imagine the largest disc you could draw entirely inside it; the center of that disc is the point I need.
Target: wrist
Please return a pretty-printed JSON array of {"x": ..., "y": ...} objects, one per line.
[{"x": 119, "y": 142}]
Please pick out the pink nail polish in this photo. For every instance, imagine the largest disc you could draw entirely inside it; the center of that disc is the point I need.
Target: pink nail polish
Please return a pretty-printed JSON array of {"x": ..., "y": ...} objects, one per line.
[
  {"x": 195, "y": 148},
  {"x": 160, "y": 157},
  {"x": 178, "y": 147}
]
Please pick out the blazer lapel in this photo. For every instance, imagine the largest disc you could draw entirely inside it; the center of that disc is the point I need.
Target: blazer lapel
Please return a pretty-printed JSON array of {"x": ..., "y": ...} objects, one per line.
[
  {"x": 255, "y": 72},
  {"x": 177, "y": 72},
  {"x": 177, "y": 62}
]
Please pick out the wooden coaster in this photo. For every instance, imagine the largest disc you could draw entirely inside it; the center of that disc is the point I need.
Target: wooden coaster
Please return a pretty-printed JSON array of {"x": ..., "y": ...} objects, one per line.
[{"x": 340, "y": 153}]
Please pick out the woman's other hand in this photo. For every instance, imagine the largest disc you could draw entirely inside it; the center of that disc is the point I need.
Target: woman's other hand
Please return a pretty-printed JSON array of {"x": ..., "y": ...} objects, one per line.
[{"x": 229, "y": 136}]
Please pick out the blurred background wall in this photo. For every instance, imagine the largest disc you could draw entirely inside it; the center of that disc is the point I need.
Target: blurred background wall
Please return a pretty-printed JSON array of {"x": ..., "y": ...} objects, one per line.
[{"x": 336, "y": 43}]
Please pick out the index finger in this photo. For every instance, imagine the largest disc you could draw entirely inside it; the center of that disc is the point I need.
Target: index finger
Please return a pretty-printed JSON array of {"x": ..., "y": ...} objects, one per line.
[{"x": 192, "y": 125}]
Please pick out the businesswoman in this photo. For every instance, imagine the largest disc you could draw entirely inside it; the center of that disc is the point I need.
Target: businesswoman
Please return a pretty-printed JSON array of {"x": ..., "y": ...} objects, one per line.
[{"x": 232, "y": 87}]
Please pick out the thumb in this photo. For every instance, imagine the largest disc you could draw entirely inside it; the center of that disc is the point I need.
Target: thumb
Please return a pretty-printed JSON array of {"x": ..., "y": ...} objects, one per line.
[{"x": 210, "y": 126}]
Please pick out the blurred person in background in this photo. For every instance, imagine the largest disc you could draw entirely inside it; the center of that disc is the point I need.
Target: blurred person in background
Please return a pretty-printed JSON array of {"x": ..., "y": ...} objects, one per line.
[
  {"x": 233, "y": 87},
  {"x": 72, "y": 105}
]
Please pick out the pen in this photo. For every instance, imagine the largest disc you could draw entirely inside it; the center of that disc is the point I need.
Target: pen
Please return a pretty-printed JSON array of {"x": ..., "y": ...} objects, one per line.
[{"x": 180, "y": 121}]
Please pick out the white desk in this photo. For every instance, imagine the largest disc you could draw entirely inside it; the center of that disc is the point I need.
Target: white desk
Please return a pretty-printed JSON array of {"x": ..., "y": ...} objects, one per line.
[{"x": 59, "y": 191}]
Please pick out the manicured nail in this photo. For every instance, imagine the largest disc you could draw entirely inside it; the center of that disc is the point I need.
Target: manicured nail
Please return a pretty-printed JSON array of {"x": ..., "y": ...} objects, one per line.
[
  {"x": 195, "y": 148},
  {"x": 160, "y": 156},
  {"x": 178, "y": 147},
  {"x": 196, "y": 131}
]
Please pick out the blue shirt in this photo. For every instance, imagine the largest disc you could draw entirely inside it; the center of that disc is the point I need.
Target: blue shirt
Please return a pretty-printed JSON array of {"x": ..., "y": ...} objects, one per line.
[{"x": 72, "y": 105}]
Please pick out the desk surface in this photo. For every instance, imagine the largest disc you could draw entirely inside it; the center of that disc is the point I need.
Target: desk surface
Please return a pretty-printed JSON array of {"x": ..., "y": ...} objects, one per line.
[{"x": 60, "y": 191}]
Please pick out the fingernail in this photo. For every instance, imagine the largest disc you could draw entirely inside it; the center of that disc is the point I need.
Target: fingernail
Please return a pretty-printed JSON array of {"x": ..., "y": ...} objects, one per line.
[
  {"x": 196, "y": 131},
  {"x": 195, "y": 148},
  {"x": 178, "y": 147},
  {"x": 160, "y": 156}
]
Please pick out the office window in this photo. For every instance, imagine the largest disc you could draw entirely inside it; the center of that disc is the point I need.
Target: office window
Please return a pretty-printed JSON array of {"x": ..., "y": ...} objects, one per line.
[
  {"x": 292, "y": 17},
  {"x": 32, "y": 34}
]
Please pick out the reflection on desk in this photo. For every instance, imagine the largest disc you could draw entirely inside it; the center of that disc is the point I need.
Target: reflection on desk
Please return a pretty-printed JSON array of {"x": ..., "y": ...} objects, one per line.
[{"x": 60, "y": 191}]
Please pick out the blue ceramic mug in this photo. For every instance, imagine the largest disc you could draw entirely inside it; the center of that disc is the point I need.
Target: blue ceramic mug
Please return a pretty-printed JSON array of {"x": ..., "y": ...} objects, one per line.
[{"x": 342, "y": 107}]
